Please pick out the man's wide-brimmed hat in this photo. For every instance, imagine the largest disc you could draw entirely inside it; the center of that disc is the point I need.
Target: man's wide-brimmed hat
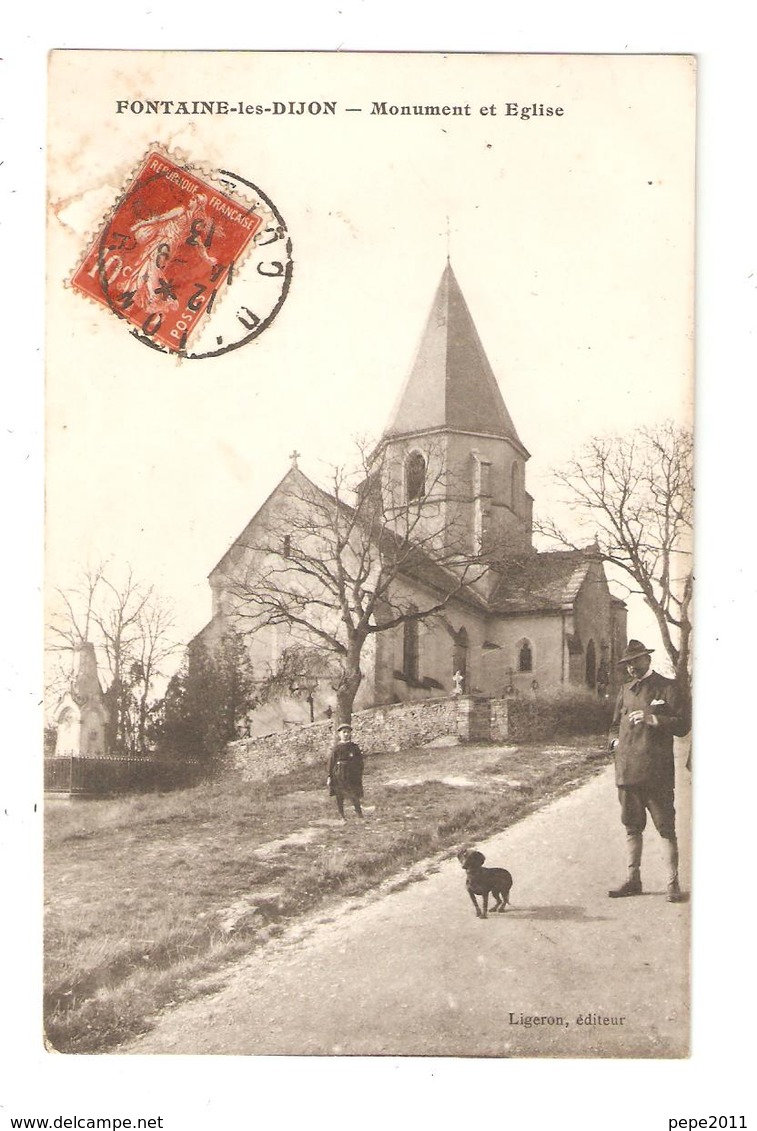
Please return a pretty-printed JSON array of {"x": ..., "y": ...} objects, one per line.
[{"x": 634, "y": 650}]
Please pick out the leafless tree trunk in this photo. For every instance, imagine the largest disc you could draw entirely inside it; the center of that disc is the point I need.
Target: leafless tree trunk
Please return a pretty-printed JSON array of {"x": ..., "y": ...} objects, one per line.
[
  {"x": 635, "y": 494},
  {"x": 153, "y": 646},
  {"x": 118, "y": 621}
]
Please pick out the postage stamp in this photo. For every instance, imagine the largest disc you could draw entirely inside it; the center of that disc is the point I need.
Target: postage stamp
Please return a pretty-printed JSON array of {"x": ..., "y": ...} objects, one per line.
[{"x": 171, "y": 246}]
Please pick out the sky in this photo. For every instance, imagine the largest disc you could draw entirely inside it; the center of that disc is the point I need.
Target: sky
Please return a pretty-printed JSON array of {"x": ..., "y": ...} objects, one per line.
[{"x": 571, "y": 237}]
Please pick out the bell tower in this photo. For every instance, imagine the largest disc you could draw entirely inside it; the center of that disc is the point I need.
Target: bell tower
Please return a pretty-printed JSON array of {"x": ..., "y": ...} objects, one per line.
[{"x": 451, "y": 439}]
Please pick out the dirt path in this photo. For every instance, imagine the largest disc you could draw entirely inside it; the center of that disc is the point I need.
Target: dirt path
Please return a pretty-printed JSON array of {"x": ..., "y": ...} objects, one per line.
[{"x": 415, "y": 973}]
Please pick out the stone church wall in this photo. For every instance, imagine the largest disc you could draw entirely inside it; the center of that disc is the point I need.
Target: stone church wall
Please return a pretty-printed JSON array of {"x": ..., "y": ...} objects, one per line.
[
  {"x": 397, "y": 726},
  {"x": 544, "y": 634},
  {"x": 594, "y": 622},
  {"x": 436, "y": 653}
]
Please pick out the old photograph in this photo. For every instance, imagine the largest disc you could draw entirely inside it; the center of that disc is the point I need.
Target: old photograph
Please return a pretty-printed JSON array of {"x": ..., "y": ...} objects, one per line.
[{"x": 369, "y": 554}]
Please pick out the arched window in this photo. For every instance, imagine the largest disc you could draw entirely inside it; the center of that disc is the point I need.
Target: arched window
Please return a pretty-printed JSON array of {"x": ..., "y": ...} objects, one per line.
[
  {"x": 415, "y": 476},
  {"x": 591, "y": 665},
  {"x": 460, "y": 654},
  {"x": 525, "y": 657},
  {"x": 410, "y": 650}
]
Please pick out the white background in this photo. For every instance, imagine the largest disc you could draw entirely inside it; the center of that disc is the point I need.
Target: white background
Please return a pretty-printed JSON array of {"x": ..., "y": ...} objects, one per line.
[{"x": 206, "y": 1093}]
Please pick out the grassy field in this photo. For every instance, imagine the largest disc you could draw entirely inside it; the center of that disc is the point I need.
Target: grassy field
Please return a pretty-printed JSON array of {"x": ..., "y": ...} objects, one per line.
[{"x": 148, "y": 896}]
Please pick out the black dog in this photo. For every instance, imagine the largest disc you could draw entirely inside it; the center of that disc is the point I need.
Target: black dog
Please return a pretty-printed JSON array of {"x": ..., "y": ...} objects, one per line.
[{"x": 485, "y": 881}]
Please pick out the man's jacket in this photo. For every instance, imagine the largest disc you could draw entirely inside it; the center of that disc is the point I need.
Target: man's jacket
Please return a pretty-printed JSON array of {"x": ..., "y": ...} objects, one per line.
[{"x": 644, "y": 753}]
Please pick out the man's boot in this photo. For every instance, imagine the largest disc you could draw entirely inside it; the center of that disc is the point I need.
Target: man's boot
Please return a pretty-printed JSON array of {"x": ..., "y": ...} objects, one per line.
[
  {"x": 632, "y": 886},
  {"x": 670, "y": 848}
]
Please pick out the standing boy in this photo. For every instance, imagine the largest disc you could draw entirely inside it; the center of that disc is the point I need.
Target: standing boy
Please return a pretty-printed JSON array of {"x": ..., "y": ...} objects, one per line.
[{"x": 345, "y": 778}]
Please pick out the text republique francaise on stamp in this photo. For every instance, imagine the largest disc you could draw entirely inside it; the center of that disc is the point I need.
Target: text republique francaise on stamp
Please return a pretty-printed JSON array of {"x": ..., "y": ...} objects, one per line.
[{"x": 171, "y": 248}]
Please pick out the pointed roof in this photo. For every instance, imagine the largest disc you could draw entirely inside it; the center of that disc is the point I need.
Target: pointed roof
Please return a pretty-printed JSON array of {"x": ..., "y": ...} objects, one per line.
[
  {"x": 548, "y": 581},
  {"x": 451, "y": 384}
]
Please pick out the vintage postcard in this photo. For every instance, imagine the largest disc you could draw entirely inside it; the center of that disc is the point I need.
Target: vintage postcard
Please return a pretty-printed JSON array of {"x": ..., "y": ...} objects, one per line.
[{"x": 368, "y": 554}]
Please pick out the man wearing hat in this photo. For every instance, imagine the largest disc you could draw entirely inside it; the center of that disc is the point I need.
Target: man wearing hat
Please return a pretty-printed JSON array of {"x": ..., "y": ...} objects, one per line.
[
  {"x": 648, "y": 713},
  {"x": 346, "y": 771}
]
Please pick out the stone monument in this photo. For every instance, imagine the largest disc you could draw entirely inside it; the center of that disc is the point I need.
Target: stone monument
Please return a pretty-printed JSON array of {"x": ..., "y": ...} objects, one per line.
[{"x": 81, "y": 716}]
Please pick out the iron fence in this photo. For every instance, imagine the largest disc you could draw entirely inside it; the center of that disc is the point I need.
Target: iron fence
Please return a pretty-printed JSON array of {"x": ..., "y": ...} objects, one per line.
[{"x": 98, "y": 777}]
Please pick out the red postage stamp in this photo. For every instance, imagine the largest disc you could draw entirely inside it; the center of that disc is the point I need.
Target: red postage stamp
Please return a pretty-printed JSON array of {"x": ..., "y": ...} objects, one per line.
[{"x": 170, "y": 243}]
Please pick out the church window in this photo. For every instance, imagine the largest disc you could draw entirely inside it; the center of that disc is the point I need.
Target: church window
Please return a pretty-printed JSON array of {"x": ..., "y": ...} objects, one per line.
[
  {"x": 410, "y": 650},
  {"x": 591, "y": 665},
  {"x": 287, "y": 547},
  {"x": 415, "y": 476},
  {"x": 525, "y": 657}
]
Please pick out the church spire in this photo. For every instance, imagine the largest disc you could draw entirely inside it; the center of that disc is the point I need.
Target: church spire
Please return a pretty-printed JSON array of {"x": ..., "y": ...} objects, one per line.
[{"x": 451, "y": 384}]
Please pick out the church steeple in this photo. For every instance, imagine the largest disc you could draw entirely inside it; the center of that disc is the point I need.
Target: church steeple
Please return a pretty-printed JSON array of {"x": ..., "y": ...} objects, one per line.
[
  {"x": 450, "y": 428},
  {"x": 451, "y": 385}
]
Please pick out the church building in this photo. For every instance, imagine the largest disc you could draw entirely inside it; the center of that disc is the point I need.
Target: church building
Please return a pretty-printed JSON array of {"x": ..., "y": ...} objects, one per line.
[{"x": 536, "y": 621}]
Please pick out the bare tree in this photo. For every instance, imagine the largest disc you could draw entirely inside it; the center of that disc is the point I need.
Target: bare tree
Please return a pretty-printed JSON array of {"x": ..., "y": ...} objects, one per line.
[
  {"x": 130, "y": 627},
  {"x": 72, "y": 623},
  {"x": 635, "y": 493},
  {"x": 153, "y": 645},
  {"x": 329, "y": 564},
  {"x": 118, "y": 619}
]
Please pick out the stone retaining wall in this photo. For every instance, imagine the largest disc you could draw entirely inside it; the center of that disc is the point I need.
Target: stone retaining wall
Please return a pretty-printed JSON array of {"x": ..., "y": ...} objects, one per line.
[
  {"x": 258, "y": 759},
  {"x": 397, "y": 726}
]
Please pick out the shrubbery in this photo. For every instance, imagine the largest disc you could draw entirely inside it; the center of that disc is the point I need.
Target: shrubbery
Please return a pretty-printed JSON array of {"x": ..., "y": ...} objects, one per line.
[
  {"x": 543, "y": 717},
  {"x": 205, "y": 700}
]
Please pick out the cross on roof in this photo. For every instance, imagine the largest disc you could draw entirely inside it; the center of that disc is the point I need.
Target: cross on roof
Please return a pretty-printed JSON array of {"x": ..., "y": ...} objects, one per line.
[{"x": 294, "y": 456}]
